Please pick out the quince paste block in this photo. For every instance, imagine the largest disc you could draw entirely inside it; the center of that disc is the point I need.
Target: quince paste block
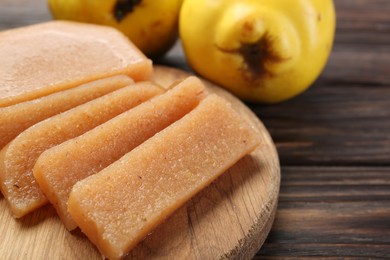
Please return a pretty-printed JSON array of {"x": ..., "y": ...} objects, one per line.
[
  {"x": 41, "y": 59},
  {"x": 117, "y": 207},
  {"x": 16, "y": 118},
  {"x": 17, "y": 159},
  {"x": 60, "y": 167}
]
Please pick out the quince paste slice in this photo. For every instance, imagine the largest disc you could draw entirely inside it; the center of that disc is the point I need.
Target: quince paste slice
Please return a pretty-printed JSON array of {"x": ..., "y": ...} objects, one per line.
[
  {"x": 41, "y": 59},
  {"x": 17, "y": 159},
  {"x": 117, "y": 207},
  {"x": 60, "y": 167},
  {"x": 16, "y": 118}
]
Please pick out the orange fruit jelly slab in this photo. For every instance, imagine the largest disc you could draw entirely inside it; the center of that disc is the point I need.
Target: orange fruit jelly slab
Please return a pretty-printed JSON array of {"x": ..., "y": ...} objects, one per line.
[
  {"x": 41, "y": 59},
  {"x": 17, "y": 159},
  {"x": 117, "y": 207},
  {"x": 16, "y": 118},
  {"x": 60, "y": 167}
]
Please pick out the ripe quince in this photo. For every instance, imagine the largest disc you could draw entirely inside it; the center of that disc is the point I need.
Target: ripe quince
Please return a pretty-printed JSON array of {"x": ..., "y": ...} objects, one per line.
[
  {"x": 151, "y": 25},
  {"x": 263, "y": 51}
]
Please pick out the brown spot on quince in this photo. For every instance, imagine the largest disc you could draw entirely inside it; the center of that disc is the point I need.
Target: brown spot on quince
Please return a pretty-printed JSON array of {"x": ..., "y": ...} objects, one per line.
[
  {"x": 319, "y": 17},
  {"x": 124, "y": 7},
  {"x": 256, "y": 56}
]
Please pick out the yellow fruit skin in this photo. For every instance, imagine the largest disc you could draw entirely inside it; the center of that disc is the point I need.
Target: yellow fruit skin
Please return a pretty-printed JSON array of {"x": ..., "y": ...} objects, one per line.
[
  {"x": 263, "y": 51},
  {"x": 151, "y": 25}
]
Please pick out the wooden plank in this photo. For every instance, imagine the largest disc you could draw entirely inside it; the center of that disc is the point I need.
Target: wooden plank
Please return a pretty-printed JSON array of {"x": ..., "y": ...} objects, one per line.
[
  {"x": 358, "y": 64},
  {"x": 350, "y": 219},
  {"x": 338, "y": 124},
  {"x": 335, "y": 184},
  {"x": 363, "y": 21}
]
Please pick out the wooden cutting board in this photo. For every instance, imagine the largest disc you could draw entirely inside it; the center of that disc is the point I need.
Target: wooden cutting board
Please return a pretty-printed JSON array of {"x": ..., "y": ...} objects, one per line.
[{"x": 229, "y": 219}]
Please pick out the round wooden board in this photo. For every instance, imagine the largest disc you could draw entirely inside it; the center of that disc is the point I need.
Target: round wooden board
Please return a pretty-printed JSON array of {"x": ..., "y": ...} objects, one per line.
[{"x": 229, "y": 219}]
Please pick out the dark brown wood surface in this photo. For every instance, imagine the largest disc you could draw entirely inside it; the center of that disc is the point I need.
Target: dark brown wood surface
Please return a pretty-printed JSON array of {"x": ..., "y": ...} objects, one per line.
[{"x": 333, "y": 140}]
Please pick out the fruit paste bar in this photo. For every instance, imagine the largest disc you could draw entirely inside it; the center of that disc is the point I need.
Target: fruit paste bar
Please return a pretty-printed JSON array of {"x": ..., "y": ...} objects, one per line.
[
  {"x": 41, "y": 59},
  {"x": 60, "y": 167},
  {"x": 16, "y": 118},
  {"x": 117, "y": 207},
  {"x": 17, "y": 159}
]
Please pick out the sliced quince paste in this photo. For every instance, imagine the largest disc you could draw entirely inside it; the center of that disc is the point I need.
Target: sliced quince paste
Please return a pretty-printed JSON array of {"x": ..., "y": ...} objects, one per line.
[
  {"x": 120, "y": 205},
  {"x": 41, "y": 59},
  {"x": 60, "y": 167},
  {"x": 17, "y": 159},
  {"x": 16, "y": 118}
]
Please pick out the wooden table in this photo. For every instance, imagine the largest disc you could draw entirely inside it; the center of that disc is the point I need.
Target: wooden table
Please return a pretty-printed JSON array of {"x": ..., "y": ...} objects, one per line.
[{"x": 333, "y": 140}]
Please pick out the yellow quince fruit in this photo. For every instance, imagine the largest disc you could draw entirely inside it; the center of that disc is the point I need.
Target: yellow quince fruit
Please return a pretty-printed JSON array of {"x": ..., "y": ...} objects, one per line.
[
  {"x": 263, "y": 51},
  {"x": 151, "y": 25}
]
